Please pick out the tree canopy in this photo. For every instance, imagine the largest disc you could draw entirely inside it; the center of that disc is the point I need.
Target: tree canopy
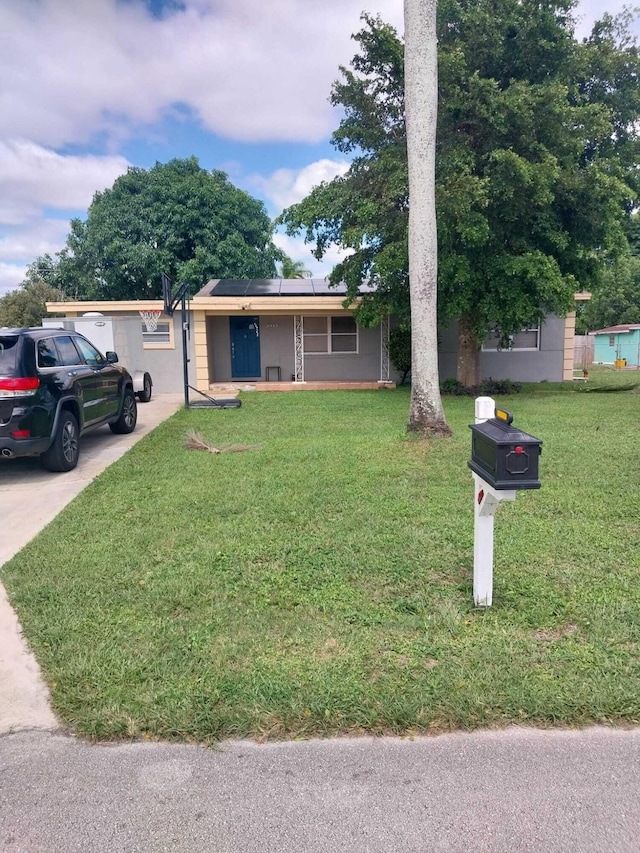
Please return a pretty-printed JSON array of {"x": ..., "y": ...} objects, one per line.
[
  {"x": 27, "y": 304},
  {"x": 616, "y": 297},
  {"x": 288, "y": 268},
  {"x": 535, "y": 165},
  {"x": 176, "y": 218}
]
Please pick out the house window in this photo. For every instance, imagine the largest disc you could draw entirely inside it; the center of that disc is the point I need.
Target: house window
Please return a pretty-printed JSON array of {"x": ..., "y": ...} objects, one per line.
[
  {"x": 330, "y": 335},
  {"x": 526, "y": 340},
  {"x": 612, "y": 340},
  {"x": 159, "y": 338}
]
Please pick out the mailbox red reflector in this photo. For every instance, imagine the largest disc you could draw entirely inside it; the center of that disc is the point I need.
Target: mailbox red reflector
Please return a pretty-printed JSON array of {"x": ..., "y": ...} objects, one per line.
[{"x": 519, "y": 449}]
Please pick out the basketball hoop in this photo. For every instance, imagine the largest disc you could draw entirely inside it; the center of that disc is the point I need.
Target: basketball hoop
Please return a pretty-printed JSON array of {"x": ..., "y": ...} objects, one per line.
[{"x": 150, "y": 319}]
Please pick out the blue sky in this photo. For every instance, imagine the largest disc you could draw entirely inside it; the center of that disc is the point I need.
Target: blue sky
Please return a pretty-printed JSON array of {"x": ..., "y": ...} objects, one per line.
[{"x": 89, "y": 87}]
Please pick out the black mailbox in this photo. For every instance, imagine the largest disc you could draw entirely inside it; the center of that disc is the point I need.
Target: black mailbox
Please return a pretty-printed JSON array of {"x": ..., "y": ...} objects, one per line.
[{"x": 504, "y": 456}]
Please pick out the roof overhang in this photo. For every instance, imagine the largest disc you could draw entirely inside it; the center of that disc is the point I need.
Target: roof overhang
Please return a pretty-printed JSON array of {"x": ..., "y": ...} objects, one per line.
[
  {"x": 270, "y": 305},
  {"x": 614, "y": 331},
  {"x": 105, "y": 307},
  {"x": 212, "y": 305}
]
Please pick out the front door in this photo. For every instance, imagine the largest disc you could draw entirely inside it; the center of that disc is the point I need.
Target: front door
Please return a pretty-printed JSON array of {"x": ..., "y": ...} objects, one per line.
[{"x": 245, "y": 347}]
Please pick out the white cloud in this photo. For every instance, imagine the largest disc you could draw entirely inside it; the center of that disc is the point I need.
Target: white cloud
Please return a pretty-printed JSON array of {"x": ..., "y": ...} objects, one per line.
[
  {"x": 589, "y": 11},
  {"x": 33, "y": 177},
  {"x": 298, "y": 250},
  {"x": 285, "y": 187},
  {"x": 250, "y": 70},
  {"x": 41, "y": 236},
  {"x": 34, "y": 181},
  {"x": 74, "y": 72},
  {"x": 289, "y": 186},
  {"x": 11, "y": 275}
]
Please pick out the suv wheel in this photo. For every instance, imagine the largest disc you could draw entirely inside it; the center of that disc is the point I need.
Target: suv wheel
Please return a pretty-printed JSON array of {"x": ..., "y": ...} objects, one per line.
[
  {"x": 128, "y": 415},
  {"x": 145, "y": 395},
  {"x": 63, "y": 453}
]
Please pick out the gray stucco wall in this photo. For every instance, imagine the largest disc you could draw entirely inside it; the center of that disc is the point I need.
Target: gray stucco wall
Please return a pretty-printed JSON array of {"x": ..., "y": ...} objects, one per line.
[
  {"x": 544, "y": 364},
  {"x": 164, "y": 365},
  {"x": 363, "y": 366},
  {"x": 276, "y": 347},
  {"x": 277, "y": 350}
]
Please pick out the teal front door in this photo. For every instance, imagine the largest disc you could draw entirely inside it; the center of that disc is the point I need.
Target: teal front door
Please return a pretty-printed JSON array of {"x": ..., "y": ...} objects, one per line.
[{"x": 245, "y": 347}]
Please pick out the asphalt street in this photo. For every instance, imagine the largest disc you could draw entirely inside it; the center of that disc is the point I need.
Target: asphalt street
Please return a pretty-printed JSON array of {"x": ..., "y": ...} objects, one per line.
[{"x": 518, "y": 790}]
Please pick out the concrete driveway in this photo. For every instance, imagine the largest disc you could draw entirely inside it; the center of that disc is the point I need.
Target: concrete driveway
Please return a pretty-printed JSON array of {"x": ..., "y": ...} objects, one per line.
[
  {"x": 30, "y": 498},
  {"x": 24, "y": 482}
]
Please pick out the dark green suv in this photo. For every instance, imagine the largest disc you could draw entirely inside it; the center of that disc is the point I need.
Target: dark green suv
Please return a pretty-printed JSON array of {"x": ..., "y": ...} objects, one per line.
[{"x": 54, "y": 387}]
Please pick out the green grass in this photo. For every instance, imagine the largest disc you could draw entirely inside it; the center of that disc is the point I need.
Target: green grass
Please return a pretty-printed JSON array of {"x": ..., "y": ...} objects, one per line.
[
  {"x": 321, "y": 584},
  {"x": 601, "y": 378}
]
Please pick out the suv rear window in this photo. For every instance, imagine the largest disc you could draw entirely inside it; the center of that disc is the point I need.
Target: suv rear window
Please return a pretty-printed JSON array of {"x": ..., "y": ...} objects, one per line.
[
  {"x": 67, "y": 352},
  {"x": 47, "y": 353},
  {"x": 8, "y": 353}
]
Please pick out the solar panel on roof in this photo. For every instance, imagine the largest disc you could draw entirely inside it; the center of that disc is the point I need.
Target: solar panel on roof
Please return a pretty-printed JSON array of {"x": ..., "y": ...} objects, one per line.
[
  {"x": 264, "y": 287},
  {"x": 296, "y": 287},
  {"x": 230, "y": 287},
  {"x": 321, "y": 287},
  {"x": 279, "y": 287}
]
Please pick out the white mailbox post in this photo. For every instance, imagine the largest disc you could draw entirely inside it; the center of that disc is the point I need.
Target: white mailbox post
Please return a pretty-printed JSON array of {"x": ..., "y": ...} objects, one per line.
[
  {"x": 504, "y": 460},
  {"x": 486, "y": 502}
]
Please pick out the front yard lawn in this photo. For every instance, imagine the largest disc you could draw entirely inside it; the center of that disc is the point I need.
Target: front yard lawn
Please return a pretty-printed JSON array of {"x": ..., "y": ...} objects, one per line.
[{"x": 321, "y": 583}]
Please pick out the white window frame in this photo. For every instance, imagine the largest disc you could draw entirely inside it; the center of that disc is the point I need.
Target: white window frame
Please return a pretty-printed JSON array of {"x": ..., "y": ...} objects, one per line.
[
  {"x": 148, "y": 341},
  {"x": 511, "y": 348},
  {"x": 328, "y": 336}
]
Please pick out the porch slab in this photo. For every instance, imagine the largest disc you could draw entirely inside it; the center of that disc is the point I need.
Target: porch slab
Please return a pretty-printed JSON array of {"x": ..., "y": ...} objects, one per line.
[{"x": 227, "y": 387}]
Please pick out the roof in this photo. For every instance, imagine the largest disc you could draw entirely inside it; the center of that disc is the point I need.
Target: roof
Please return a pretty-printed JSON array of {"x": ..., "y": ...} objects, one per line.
[
  {"x": 275, "y": 287},
  {"x": 621, "y": 329}
]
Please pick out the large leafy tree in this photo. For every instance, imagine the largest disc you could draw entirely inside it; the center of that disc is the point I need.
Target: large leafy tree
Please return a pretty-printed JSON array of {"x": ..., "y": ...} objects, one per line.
[
  {"x": 175, "y": 218},
  {"x": 26, "y": 306},
  {"x": 616, "y": 298},
  {"x": 535, "y": 165}
]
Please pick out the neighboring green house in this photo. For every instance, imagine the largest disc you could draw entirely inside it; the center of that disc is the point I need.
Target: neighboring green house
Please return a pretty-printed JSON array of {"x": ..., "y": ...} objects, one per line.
[{"x": 617, "y": 344}]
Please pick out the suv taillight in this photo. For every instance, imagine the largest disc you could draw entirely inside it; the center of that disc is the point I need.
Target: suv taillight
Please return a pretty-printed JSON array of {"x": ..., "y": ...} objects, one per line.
[{"x": 20, "y": 387}]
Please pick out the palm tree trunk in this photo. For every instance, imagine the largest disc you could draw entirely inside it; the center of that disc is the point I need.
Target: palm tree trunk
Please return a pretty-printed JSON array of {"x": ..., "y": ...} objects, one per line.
[{"x": 426, "y": 414}]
